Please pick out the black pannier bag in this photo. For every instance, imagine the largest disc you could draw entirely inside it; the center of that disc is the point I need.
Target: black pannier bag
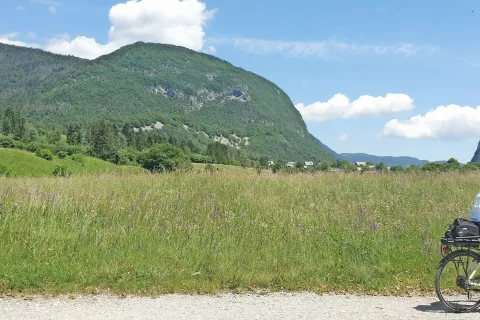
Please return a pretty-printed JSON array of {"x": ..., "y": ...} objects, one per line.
[{"x": 461, "y": 228}]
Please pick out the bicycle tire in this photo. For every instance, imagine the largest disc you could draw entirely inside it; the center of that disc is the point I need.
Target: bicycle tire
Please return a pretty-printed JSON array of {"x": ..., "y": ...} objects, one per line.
[{"x": 448, "y": 258}]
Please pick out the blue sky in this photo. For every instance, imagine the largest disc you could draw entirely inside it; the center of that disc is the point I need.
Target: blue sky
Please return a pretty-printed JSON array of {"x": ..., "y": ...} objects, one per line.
[{"x": 416, "y": 63}]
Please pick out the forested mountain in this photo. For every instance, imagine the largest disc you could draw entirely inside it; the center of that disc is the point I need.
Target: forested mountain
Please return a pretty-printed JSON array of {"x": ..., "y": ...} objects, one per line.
[
  {"x": 328, "y": 150},
  {"x": 183, "y": 94}
]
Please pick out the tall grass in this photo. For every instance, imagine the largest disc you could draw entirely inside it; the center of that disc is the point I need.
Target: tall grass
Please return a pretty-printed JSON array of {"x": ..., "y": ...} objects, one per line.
[{"x": 200, "y": 232}]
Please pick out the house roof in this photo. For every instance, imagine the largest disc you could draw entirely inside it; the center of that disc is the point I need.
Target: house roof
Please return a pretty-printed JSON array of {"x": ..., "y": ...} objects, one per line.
[{"x": 309, "y": 163}]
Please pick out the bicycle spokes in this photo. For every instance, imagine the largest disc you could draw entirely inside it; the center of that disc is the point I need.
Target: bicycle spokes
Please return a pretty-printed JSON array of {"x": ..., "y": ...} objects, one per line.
[{"x": 460, "y": 282}]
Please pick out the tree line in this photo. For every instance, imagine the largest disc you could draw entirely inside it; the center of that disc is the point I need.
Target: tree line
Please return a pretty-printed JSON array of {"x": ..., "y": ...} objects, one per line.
[{"x": 129, "y": 146}]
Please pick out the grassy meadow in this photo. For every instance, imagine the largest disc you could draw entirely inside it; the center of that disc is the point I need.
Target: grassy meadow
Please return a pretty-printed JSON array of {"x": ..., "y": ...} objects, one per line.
[
  {"x": 204, "y": 232},
  {"x": 27, "y": 164}
]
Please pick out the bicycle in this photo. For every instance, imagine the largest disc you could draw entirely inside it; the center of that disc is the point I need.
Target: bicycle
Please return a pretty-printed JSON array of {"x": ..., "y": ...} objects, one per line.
[{"x": 457, "y": 282}]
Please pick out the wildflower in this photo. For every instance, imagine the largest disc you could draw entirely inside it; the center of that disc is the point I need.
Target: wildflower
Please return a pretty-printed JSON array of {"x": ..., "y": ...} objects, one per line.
[{"x": 375, "y": 226}]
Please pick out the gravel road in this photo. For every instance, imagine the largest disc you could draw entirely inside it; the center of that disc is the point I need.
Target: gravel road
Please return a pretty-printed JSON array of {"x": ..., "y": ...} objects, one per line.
[{"x": 229, "y": 306}]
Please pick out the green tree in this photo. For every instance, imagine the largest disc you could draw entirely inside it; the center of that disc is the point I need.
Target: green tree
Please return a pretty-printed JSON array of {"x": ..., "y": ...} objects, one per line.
[
  {"x": 221, "y": 153},
  {"x": 299, "y": 165},
  {"x": 277, "y": 166},
  {"x": 413, "y": 168},
  {"x": 244, "y": 161},
  {"x": 53, "y": 136},
  {"x": 381, "y": 167},
  {"x": 7, "y": 122},
  {"x": 45, "y": 154},
  {"x": 471, "y": 166},
  {"x": 127, "y": 157},
  {"x": 13, "y": 123},
  {"x": 75, "y": 134},
  {"x": 105, "y": 140},
  {"x": 165, "y": 157},
  {"x": 322, "y": 166},
  {"x": 397, "y": 168},
  {"x": 431, "y": 167},
  {"x": 264, "y": 161},
  {"x": 452, "y": 165},
  {"x": 258, "y": 167}
]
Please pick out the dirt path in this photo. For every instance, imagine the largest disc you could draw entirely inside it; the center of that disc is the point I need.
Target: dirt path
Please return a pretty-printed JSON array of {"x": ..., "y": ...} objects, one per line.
[{"x": 273, "y": 306}]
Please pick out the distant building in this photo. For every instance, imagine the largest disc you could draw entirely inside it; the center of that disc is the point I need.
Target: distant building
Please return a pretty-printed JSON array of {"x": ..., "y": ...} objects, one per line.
[
  {"x": 290, "y": 164},
  {"x": 271, "y": 164},
  {"x": 308, "y": 164},
  {"x": 360, "y": 164}
]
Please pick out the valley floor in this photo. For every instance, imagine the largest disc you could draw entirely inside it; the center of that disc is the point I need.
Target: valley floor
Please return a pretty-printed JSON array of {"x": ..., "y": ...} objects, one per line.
[{"x": 272, "y": 306}]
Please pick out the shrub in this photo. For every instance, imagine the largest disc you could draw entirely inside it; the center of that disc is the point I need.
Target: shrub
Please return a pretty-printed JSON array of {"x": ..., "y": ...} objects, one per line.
[
  {"x": 200, "y": 158},
  {"x": 78, "y": 158},
  {"x": 166, "y": 157},
  {"x": 19, "y": 145},
  {"x": 62, "y": 154},
  {"x": 78, "y": 149},
  {"x": 33, "y": 147},
  {"x": 4, "y": 171},
  {"x": 127, "y": 157},
  {"x": 7, "y": 142},
  {"x": 61, "y": 171},
  {"x": 45, "y": 154},
  {"x": 209, "y": 168},
  {"x": 258, "y": 167},
  {"x": 60, "y": 146}
]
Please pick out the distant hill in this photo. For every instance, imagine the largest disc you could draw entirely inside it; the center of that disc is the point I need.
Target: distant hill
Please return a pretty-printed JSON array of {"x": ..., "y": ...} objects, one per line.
[
  {"x": 389, "y": 161},
  {"x": 327, "y": 149},
  {"x": 183, "y": 93}
]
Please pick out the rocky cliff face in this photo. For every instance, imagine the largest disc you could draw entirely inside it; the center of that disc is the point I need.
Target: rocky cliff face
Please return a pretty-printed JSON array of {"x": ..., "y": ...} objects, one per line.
[{"x": 476, "y": 155}]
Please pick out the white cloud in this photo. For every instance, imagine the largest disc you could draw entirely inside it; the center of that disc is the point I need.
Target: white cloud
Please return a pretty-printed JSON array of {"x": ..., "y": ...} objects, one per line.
[
  {"x": 82, "y": 47},
  {"x": 343, "y": 137},
  {"x": 11, "y": 38},
  {"x": 169, "y": 21},
  {"x": 339, "y": 106},
  {"x": 327, "y": 49},
  {"x": 31, "y": 35},
  {"x": 52, "y": 10},
  {"x": 450, "y": 122},
  {"x": 20, "y": 8}
]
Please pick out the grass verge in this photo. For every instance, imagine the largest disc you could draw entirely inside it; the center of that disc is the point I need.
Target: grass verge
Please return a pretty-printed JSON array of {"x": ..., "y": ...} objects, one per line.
[
  {"x": 26, "y": 164},
  {"x": 200, "y": 232}
]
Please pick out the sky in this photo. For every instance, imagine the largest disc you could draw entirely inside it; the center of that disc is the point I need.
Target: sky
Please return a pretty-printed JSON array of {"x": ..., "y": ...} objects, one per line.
[{"x": 396, "y": 78}]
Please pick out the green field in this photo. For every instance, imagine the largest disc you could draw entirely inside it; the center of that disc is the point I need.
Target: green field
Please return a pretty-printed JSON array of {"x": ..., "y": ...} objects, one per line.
[
  {"x": 26, "y": 164},
  {"x": 204, "y": 232}
]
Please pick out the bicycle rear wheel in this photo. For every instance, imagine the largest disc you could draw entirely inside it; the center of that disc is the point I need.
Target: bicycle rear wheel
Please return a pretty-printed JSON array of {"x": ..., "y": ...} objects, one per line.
[{"x": 452, "y": 284}]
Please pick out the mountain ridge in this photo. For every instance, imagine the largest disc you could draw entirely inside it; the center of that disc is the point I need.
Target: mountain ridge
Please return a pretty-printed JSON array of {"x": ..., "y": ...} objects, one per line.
[
  {"x": 144, "y": 83},
  {"x": 387, "y": 160}
]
